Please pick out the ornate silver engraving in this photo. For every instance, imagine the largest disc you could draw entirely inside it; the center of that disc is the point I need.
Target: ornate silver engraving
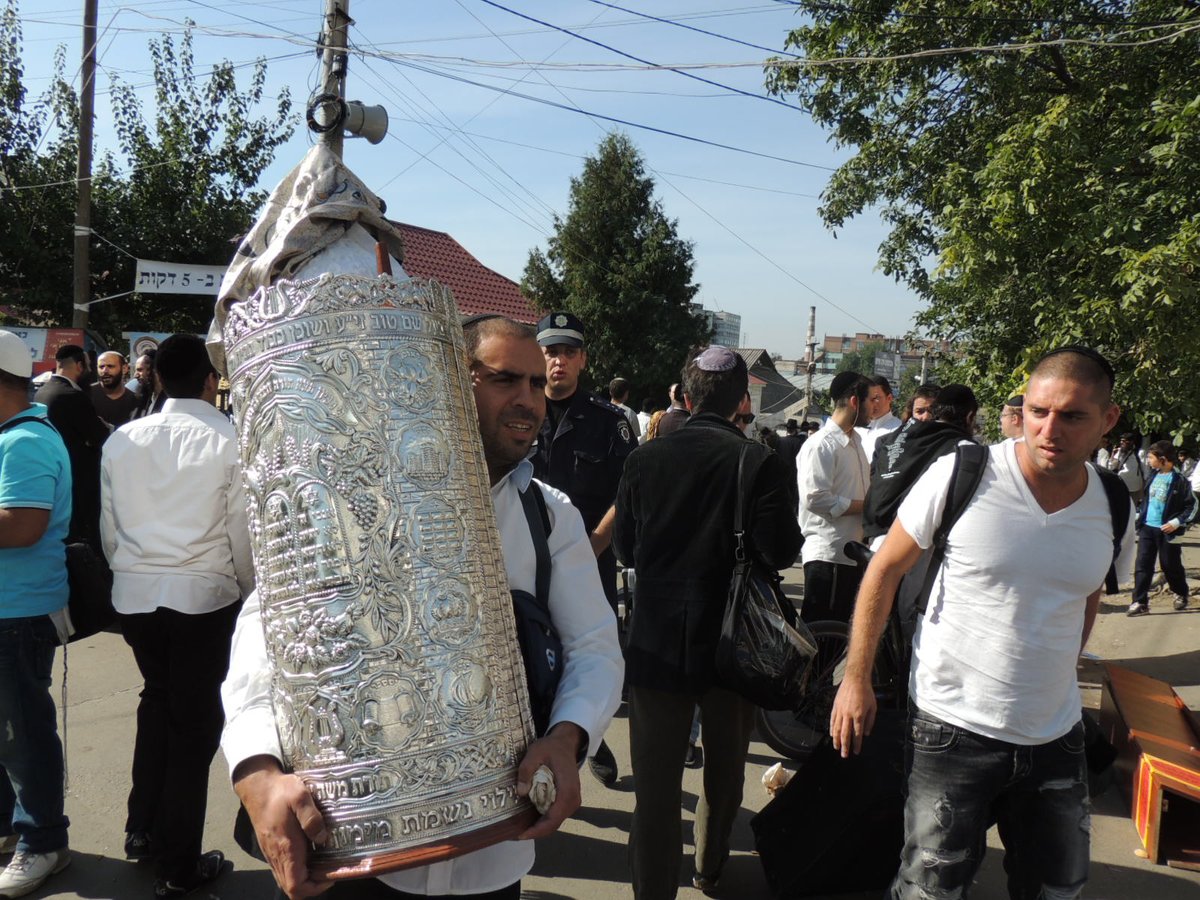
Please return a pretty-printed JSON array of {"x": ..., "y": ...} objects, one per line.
[{"x": 398, "y": 687}]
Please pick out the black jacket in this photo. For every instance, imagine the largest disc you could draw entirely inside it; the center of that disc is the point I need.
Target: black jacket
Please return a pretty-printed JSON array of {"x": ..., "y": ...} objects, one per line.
[
  {"x": 900, "y": 459},
  {"x": 584, "y": 458},
  {"x": 675, "y": 526},
  {"x": 83, "y": 432}
]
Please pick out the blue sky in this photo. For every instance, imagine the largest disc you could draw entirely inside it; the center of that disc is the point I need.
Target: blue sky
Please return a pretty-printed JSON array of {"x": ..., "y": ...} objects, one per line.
[{"x": 492, "y": 168}]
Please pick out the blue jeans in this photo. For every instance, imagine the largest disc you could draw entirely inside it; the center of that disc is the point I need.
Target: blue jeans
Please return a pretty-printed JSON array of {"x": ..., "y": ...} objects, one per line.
[
  {"x": 31, "y": 755},
  {"x": 960, "y": 782}
]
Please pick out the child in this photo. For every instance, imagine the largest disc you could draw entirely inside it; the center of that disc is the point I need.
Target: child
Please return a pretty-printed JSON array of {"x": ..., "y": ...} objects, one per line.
[{"x": 1165, "y": 512}]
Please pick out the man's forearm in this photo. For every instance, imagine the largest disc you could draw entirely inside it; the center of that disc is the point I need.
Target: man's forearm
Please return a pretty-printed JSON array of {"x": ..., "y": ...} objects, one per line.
[
  {"x": 601, "y": 535},
  {"x": 871, "y": 609}
]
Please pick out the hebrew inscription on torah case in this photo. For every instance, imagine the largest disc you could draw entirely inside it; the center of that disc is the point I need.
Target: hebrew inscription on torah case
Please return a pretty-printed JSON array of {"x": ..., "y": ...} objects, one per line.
[{"x": 398, "y": 686}]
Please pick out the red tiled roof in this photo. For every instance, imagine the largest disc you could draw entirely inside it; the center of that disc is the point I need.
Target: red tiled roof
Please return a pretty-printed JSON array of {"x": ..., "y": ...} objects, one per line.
[{"x": 477, "y": 289}]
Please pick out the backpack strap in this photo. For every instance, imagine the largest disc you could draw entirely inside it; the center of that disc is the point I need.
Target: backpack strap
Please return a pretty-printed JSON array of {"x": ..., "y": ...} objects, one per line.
[
  {"x": 12, "y": 423},
  {"x": 969, "y": 462},
  {"x": 1119, "y": 505},
  {"x": 536, "y": 514}
]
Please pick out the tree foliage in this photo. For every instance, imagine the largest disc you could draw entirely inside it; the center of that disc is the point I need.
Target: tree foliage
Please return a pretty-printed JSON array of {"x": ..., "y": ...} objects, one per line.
[
  {"x": 1052, "y": 185},
  {"x": 181, "y": 186},
  {"x": 37, "y": 147},
  {"x": 617, "y": 262}
]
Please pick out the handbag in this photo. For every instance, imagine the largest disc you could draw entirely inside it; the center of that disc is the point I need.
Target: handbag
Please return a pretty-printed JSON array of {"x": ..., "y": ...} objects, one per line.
[
  {"x": 765, "y": 653},
  {"x": 89, "y": 578}
]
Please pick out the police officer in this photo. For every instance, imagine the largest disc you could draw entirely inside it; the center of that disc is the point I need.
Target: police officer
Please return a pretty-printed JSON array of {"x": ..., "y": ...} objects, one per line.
[{"x": 581, "y": 450}]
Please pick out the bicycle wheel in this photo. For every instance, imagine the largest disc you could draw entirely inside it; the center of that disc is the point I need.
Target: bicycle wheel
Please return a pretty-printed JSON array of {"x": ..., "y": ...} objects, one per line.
[{"x": 795, "y": 733}]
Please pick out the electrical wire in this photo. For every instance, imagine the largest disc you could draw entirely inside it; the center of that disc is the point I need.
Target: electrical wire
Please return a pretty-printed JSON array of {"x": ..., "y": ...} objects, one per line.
[
  {"x": 679, "y": 24},
  {"x": 678, "y": 70},
  {"x": 724, "y": 226}
]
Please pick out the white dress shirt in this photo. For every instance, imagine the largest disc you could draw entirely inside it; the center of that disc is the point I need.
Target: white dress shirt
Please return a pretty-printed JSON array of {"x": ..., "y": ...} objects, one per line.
[
  {"x": 831, "y": 473},
  {"x": 588, "y": 694},
  {"x": 173, "y": 512},
  {"x": 871, "y": 434}
]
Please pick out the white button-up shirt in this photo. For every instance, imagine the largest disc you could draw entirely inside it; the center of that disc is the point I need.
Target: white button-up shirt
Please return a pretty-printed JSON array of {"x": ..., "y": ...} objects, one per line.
[
  {"x": 588, "y": 694},
  {"x": 173, "y": 512},
  {"x": 871, "y": 434},
  {"x": 831, "y": 472}
]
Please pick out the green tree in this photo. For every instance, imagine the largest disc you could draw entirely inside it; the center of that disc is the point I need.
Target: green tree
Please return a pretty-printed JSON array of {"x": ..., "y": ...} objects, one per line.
[
  {"x": 37, "y": 147},
  {"x": 862, "y": 360},
  {"x": 191, "y": 185},
  {"x": 618, "y": 263},
  {"x": 1051, "y": 179},
  {"x": 181, "y": 189}
]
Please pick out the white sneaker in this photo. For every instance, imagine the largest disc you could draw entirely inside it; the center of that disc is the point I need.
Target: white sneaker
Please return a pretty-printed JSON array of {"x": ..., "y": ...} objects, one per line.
[{"x": 27, "y": 871}]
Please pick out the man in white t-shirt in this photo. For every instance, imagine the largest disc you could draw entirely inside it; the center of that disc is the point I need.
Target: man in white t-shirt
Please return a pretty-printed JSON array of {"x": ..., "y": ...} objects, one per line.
[{"x": 995, "y": 724}]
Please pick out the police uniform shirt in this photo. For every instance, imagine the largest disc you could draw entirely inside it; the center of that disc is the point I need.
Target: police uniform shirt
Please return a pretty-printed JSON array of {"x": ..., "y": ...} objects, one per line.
[{"x": 583, "y": 454}]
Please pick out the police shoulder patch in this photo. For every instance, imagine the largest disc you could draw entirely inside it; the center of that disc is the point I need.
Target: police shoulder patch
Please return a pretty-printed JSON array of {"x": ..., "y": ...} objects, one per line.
[{"x": 624, "y": 431}]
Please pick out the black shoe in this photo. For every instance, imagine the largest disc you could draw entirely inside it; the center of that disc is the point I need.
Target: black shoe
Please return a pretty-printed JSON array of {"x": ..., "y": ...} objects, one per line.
[
  {"x": 209, "y": 867},
  {"x": 137, "y": 846},
  {"x": 694, "y": 758},
  {"x": 604, "y": 765},
  {"x": 707, "y": 885}
]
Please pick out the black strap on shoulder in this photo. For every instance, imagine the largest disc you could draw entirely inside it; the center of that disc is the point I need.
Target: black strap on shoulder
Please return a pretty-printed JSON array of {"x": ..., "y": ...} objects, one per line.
[
  {"x": 17, "y": 421},
  {"x": 739, "y": 506},
  {"x": 969, "y": 462},
  {"x": 538, "y": 518},
  {"x": 1118, "y": 505}
]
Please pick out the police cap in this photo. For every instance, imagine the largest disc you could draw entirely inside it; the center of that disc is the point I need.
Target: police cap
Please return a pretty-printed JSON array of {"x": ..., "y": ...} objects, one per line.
[{"x": 560, "y": 328}]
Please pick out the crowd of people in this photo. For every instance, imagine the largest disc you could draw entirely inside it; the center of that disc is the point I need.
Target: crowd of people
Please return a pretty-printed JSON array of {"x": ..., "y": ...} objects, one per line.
[{"x": 654, "y": 491}]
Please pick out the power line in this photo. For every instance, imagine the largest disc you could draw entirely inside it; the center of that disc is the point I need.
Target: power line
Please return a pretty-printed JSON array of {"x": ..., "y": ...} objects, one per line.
[
  {"x": 647, "y": 62},
  {"x": 678, "y": 24},
  {"x": 615, "y": 119},
  {"x": 715, "y": 219}
]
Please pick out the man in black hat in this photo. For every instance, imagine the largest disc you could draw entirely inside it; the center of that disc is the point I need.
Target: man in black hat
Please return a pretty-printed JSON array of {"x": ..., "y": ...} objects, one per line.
[{"x": 581, "y": 450}]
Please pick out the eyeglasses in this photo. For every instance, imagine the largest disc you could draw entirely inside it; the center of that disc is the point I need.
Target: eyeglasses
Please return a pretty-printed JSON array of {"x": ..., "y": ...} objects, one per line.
[{"x": 746, "y": 418}]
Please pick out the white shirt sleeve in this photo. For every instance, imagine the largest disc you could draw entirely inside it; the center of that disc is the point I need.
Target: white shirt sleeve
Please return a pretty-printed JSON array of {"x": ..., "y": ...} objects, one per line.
[
  {"x": 235, "y": 516},
  {"x": 246, "y": 693},
  {"x": 816, "y": 482}
]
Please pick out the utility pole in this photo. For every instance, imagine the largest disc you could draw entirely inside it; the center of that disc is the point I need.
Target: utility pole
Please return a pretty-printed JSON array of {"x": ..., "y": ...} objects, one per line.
[
  {"x": 83, "y": 170},
  {"x": 332, "y": 99}
]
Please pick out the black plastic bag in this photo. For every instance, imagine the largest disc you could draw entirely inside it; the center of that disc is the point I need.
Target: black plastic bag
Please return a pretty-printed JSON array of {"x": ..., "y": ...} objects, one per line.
[{"x": 764, "y": 653}]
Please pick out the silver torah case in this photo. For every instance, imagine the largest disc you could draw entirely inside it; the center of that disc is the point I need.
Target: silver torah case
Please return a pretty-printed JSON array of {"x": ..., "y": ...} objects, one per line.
[{"x": 398, "y": 686}]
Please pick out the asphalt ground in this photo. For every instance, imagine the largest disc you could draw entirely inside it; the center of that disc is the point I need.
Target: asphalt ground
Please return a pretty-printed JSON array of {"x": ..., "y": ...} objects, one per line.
[{"x": 588, "y": 858}]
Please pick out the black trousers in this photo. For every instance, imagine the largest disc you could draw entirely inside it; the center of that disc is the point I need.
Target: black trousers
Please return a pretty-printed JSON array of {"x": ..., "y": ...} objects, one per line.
[
  {"x": 183, "y": 659},
  {"x": 374, "y": 889},
  {"x": 829, "y": 591},
  {"x": 1153, "y": 545}
]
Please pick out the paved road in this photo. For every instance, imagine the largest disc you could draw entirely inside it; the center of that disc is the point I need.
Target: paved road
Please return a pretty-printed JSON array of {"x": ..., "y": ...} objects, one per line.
[{"x": 587, "y": 859}]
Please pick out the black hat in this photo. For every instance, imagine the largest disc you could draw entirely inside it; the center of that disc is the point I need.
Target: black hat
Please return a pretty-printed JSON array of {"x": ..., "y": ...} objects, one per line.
[
  {"x": 560, "y": 328},
  {"x": 1017, "y": 400}
]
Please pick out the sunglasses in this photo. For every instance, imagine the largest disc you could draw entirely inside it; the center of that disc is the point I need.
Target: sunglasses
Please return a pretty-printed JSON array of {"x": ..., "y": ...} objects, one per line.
[{"x": 746, "y": 418}]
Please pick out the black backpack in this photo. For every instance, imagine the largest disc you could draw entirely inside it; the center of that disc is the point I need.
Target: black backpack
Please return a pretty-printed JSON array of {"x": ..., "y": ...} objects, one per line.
[
  {"x": 970, "y": 460},
  {"x": 89, "y": 578},
  {"x": 541, "y": 647}
]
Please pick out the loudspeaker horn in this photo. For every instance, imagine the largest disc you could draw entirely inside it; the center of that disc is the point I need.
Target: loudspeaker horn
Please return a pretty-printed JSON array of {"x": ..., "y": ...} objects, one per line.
[{"x": 370, "y": 122}]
